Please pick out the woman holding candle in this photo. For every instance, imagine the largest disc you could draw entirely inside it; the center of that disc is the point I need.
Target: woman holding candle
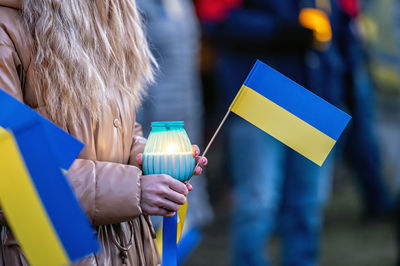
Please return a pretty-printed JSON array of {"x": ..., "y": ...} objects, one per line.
[{"x": 84, "y": 66}]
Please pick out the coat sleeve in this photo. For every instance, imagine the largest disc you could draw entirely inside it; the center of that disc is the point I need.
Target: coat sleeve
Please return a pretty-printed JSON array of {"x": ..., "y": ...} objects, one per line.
[
  {"x": 108, "y": 192},
  {"x": 10, "y": 67},
  {"x": 9, "y": 77},
  {"x": 138, "y": 144}
]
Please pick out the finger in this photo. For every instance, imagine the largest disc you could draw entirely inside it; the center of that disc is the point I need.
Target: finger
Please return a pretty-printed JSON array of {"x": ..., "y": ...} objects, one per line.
[
  {"x": 167, "y": 213},
  {"x": 157, "y": 211},
  {"x": 198, "y": 170},
  {"x": 202, "y": 161},
  {"x": 164, "y": 212},
  {"x": 196, "y": 150},
  {"x": 177, "y": 186},
  {"x": 175, "y": 197},
  {"x": 139, "y": 159},
  {"x": 189, "y": 186},
  {"x": 169, "y": 205}
]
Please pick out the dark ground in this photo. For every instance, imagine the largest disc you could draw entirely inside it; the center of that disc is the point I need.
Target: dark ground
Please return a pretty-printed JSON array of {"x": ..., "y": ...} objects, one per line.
[{"x": 347, "y": 240}]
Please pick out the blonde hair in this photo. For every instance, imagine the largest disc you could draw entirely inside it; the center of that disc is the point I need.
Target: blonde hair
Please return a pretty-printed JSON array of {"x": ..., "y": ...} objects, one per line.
[{"x": 85, "y": 53}]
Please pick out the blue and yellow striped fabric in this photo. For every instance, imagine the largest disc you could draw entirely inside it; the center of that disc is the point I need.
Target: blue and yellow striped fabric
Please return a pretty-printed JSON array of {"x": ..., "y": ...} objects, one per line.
[
  {"x": 39, "y": 205},
  {"x": 169, "y": 235},
  {"x": 290, "y": 113}
]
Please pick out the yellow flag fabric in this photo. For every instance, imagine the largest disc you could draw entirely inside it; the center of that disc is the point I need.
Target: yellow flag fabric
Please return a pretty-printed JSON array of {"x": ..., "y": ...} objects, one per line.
[
  {"x": 14, "y": 182},
  {"x": 181, "y": 220}
]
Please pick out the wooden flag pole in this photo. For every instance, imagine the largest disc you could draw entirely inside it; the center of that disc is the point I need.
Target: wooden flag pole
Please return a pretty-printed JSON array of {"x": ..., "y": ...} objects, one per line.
[{"x": 215, "y": 134}]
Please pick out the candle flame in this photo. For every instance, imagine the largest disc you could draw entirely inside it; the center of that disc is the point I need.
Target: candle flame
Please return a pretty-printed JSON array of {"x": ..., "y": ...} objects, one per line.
[{"x": 172, "y": 148}]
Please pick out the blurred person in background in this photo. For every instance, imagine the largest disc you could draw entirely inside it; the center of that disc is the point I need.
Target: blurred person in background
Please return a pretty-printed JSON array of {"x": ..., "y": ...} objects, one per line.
[
  {"x": 274, "y": 188},
  {"x": 174, "y": 37},
  {"x": 361, "y": 148}
]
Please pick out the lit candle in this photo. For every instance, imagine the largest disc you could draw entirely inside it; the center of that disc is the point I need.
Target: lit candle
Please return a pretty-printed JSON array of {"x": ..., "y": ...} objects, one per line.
[{"x": 169, "y": 151}]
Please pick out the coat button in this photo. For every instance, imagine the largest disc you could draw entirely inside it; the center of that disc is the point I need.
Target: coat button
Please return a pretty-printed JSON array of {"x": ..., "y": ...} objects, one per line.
[{"x": 117, "y": 123}]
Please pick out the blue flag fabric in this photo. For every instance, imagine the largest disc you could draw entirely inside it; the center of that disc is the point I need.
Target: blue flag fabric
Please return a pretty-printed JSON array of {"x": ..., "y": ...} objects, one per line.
[
  {"x": 45, "y": 150},
  {"x": 169, "y": 252},
  {"x": 13, "y": 114}
]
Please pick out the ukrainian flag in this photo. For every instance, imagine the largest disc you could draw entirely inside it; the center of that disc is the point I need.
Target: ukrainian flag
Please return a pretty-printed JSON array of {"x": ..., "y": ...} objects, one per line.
[
  {"x": 37, "y": 200},
  {"x": 290, "y": 113}
]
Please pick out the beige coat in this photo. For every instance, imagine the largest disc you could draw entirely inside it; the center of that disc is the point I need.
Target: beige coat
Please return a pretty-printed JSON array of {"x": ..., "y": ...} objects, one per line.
[{"x": 104, "y": 177}]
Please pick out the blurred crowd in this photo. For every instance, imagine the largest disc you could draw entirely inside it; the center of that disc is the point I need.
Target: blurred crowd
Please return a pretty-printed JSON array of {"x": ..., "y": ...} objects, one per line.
[{"x": 345, "y": 51}]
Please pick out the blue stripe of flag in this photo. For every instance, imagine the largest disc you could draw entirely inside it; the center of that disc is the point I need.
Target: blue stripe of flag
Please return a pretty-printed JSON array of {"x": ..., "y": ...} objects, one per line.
[
  {"x": 297, "y": 100},
  {"x": 65, "y": 148},
  {"x": 169, "y": 246},
  {"x": 46, "y": 149},
  {"x": 73, "y": 229}
]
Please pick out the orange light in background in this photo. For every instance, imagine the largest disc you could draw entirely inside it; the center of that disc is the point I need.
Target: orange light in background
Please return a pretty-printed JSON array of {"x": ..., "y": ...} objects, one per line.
[{"x": 317, "y": 21}]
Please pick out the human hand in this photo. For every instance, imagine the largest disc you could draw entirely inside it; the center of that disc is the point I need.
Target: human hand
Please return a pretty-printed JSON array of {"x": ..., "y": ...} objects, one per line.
[
  {"x": 162, "y": 195},
  {"x": 202, "y": 161}
]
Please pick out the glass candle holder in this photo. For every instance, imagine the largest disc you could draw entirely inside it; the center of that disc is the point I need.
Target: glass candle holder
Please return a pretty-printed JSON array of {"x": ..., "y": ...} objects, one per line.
[{"x": 168, "y": 151}]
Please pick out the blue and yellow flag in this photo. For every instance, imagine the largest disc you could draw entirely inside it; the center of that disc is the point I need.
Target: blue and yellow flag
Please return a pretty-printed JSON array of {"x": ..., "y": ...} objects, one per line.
[
  {"x": 37, "y": 200},
  {"x": 169, "y": 234},
  {"x": 290, "y": 113}
]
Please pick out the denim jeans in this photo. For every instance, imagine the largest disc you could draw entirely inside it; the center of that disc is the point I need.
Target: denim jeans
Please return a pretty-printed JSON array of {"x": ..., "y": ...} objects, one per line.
[
  {"x": 363, "y": 149},
  {"x": 274, "y": 190}
]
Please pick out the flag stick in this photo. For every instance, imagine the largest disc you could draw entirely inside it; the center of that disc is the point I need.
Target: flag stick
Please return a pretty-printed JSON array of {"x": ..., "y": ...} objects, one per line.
[{"x": 215, "y": 134}]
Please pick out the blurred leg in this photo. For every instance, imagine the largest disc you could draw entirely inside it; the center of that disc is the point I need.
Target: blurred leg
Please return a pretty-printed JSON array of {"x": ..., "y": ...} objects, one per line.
[
  {"x": 256, "y": 174},
  {"x": 304, "y": 194},
  {"x": 200, "y": 212},
  {"x": 363, "y": 148}
]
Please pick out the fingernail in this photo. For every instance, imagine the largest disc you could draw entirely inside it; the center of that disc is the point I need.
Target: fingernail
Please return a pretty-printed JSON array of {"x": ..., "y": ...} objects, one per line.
[{"x": 203, "y": 161}]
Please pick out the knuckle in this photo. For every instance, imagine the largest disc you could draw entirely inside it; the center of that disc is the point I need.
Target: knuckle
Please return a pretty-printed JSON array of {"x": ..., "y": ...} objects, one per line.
[
  {"x": 164, "y": 178},
  {"x": 156, "y": 202},
  {"x": 164, "y": 191},
  {"x": 149, "y": 192}
]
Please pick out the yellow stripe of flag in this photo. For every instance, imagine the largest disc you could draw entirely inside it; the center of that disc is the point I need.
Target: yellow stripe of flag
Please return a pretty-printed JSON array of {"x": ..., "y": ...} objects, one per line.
[
  {"x": 19, "y": 201},
  {"x": 181, "y": 221},
  {"x": 282, "y": 125}
]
